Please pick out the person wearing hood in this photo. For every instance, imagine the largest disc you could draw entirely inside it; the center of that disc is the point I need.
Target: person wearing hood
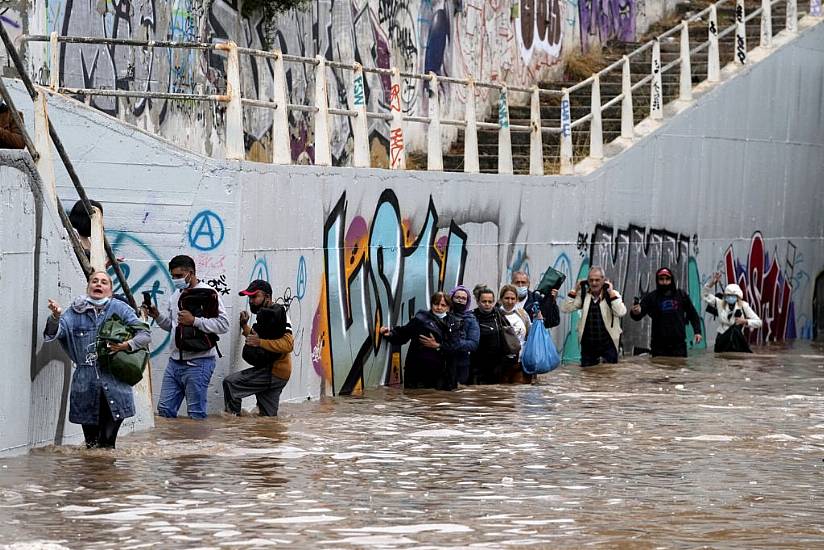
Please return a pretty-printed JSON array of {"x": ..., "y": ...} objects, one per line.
[
  {"x": 427, "y": 333},
  {"x": 464, "y": 333},
  {"x": 670, "y": 309},
  {"x": 98, "y": 401},
  {"x": 533, "y": 302},
  {"x": 733, "y": 315}
]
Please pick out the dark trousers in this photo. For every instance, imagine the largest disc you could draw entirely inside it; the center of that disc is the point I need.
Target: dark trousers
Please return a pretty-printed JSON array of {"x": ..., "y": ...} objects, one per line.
[
  {"x": 589, "y": 358},
  {"x": 257, "y": 381},
  {"x": 669, "y": 350},
  {"x": 103, "y": 434}
]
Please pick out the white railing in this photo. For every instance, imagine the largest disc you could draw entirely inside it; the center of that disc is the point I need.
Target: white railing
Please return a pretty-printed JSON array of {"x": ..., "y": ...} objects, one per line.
[{"x": 358, "y": 113}]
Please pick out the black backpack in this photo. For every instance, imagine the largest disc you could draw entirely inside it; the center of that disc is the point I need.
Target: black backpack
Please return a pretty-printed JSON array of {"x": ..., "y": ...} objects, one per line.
[
  {"x": 270, "y": 324},
  {"x": 200, "y": 302}
]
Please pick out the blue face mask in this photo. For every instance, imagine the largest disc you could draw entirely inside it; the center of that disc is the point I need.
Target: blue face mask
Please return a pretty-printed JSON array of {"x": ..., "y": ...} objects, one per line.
[
  {"x": 522, "y": 291},
  {"x": 99, "y": 301},
  {"x": 180, "y": 284},
  {"x": 731, "y": 299},
  {"x": 439, "y": 315}
]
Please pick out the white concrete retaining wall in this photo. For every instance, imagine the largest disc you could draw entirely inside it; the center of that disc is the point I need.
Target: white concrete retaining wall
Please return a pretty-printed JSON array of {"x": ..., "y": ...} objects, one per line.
[{"x": 733, "y": 182}]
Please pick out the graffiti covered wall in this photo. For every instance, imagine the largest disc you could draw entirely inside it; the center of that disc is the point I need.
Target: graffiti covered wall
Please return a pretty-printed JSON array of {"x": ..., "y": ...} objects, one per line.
[
  {"x": 516, "y": 42},
  {"x": 349, "y": 250}
]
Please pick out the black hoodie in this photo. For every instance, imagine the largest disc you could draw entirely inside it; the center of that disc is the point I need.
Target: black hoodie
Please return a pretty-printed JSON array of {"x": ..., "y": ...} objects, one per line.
[{"x": 669, "y": 308}]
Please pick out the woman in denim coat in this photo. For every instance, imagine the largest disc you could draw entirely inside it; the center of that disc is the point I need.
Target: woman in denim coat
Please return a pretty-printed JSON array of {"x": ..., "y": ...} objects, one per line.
[{"x": 98, "y": 401}]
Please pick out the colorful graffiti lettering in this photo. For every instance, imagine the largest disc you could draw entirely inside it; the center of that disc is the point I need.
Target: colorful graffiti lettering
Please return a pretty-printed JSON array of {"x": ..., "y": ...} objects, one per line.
[
  {"x": 373, "y": 276},
  {"x": 766, "y": 287},
  {"x": 606, "y": 20}
]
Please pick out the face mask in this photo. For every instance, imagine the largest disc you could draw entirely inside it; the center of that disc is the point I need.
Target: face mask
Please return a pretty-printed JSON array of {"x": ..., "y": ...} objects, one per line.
[
  {"x": 731, "y": 300},
  {"x": 458, "y": 308},
  {"x": 522, "y": 291},
  {"x": 180, "y": 284},
  {"x": 99, "y": 301},
  {"x": 439, "y": 315}
]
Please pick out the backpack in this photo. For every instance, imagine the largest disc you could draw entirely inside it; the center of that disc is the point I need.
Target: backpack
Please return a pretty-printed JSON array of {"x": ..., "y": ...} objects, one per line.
[
  {"x": 200, "y": 302},
  {"x": 270, "y": 324}
]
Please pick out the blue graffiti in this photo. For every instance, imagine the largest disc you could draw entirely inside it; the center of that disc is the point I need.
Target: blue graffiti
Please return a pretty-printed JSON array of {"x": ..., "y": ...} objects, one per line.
[
  {"x": 388, "y": 285},
  {"x": 206, "y": 231},
  {"x": 144, "y": 271},
  {"x": 260, "y": 270},
  {"x": 300, "y": 283}
]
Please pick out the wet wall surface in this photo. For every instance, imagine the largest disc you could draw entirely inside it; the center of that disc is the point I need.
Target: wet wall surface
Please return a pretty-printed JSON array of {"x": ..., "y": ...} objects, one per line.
[{"x": 709, "y": 451}]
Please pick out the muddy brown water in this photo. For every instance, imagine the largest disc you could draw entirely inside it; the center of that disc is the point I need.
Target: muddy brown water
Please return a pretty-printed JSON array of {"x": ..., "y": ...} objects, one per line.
[{"x": 706, "y": 452}]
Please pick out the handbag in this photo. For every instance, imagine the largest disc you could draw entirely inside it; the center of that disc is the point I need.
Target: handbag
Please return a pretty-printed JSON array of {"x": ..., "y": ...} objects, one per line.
[
  {"x": 126, "y": 366},
  {"x": 511, "y": 344},
  {"x": 552, "y": 280}
]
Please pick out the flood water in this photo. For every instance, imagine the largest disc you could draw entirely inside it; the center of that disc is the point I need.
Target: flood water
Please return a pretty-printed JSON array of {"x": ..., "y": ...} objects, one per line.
[{"x": 717, "y": 452}]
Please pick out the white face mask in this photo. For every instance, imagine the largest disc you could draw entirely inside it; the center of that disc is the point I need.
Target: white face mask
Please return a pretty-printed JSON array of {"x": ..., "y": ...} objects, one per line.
[
  {"x": 439, "y": 315},
  {"x": 522, "y": 291},
  {"x": 98, "y": 301},
  {"x": 180, "y": 284}
]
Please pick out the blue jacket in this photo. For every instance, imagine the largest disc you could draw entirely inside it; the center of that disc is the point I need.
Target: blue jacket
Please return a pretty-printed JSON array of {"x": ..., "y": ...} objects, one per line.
[
  {"x": 77, "y": 333},
  {"x": 464, "y": 335}
]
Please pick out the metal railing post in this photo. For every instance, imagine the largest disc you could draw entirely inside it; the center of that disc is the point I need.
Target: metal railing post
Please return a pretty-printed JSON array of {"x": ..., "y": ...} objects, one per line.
[
  {"x": 235, "y": 149},
  {"x": 656, "y": 101},
  {"x": 97, "y": 251},
  {"x": 596, "y": 129},
  {"x": 323, "y": 149},
  {"x": 434, "y": 153},
  {"x": 471, "y": 161},
  {"x": 504, "y": 136},
  {"x": 627, "y": 115},
  {"x": 397, "y": 149},
  {"x": 766, "y": 24},
  {"x": 685, "y": 92},
  {"x": 740, "y": 33},
  {"x": 54, "y": 62},
  {"x": 42, "y": 142},
  {"x": 792, "y": 16},
  {"x": 713, "y": 57},
  {"x": 281, "y": 140},
  {"x": 566, "y": 135},
  {"x": 536, "y": 146},
  {"x": 360, "y": 126},
  {"x": 815, "y": 8}
]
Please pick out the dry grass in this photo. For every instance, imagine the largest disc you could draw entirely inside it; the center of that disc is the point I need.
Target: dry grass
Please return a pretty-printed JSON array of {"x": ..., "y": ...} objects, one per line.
[{"x": 582, "y": 65}]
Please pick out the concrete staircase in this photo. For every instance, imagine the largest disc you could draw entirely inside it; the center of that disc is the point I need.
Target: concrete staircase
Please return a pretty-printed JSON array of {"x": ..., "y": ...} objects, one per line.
[{"x": 611, "y": 87}]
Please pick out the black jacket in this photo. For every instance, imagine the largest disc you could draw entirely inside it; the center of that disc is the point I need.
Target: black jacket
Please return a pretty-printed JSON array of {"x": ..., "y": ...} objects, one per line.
[
  {"x": 546, "y": 304},
  {"x": 670, "y": 311},
  {"x": 424, "y": 367}
]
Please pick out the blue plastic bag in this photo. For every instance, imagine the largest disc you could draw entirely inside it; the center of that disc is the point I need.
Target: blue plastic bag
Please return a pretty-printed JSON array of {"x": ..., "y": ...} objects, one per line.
[{"x": 540, "y": 355}]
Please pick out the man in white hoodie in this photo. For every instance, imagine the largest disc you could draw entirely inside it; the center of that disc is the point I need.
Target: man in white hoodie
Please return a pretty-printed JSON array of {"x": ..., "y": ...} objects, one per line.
[{"x": 599, "y": 329}]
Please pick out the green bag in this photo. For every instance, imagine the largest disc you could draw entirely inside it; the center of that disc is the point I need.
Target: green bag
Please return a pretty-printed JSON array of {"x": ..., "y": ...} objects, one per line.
[
  {"x": 126, "y": 366},
  {"x": 552, "y": 280}
]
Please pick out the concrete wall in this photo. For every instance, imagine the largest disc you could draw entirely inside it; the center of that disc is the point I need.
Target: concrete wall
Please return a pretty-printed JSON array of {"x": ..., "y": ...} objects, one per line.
[
  {"x": 490, "y": 40},
  {"x": 732, "y": 183}
]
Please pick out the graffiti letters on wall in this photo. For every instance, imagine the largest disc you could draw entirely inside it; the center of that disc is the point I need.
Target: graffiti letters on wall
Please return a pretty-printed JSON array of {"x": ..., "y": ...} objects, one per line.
[{"x": 377, "y": 274}]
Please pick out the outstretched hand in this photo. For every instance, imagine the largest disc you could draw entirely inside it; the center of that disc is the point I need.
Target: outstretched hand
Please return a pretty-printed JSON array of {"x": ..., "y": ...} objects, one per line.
[{"x": 55, "y": 309}]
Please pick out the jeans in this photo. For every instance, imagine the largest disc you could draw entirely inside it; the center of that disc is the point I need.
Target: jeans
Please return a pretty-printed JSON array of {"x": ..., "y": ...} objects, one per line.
[{"x": 189, "y": 379}]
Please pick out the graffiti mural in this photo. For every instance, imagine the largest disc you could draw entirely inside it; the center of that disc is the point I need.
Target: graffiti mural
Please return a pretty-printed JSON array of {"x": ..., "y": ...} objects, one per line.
[
  {"x": 377, "y": 274},
  {"x": 767, "y": 286},
  {"x": 630, "y": 257},
  {"x": 606, "y": 20}
]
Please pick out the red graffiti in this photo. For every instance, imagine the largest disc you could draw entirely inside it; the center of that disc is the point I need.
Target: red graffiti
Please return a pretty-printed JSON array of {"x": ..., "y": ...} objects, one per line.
[
  {"x": 766, "y": 288},
  {"x": 396, "y": 145},
  {"x": 395, "y": 98}
]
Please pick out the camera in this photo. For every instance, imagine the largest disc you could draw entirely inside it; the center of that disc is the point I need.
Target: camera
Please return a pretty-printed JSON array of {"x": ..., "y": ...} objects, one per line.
[
  {"x": 738, "y": 313},
  {"x": 636, "y": 301},
  {"x": 584, "y": 286},
  {"x": 147, "y": 299}
]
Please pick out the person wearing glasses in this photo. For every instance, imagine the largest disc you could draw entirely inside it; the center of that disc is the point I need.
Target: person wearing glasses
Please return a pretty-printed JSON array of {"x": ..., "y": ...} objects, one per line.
[{"x": 670, "y": 308}]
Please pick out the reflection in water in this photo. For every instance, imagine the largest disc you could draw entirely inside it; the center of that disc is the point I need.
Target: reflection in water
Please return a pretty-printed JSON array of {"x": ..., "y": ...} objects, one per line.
[{"x": 720, "y": 451}]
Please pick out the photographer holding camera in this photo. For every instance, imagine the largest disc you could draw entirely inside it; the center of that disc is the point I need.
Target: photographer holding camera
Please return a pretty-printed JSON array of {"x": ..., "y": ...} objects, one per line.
[
  {"x": 733, "y": 315},
  {"x": 669, "y": 308},
  {"x": 598, "y": 332}
]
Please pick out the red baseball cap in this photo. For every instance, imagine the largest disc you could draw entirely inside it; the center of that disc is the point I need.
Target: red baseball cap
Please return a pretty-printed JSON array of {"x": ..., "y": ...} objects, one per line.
[{"x": 254, "y": 286}]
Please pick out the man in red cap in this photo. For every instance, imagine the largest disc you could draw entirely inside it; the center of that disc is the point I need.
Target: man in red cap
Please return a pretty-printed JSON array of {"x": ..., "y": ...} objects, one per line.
[
  {"x": 268, "y": 348},
  {"x": 669, "y": 308}
]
